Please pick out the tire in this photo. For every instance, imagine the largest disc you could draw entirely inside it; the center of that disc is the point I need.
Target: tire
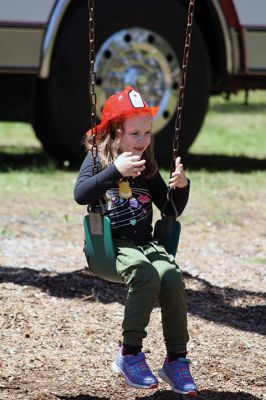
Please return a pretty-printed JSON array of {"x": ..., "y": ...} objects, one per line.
[
  {"x": 62, "y": 102},
  {"x": 62, "y": 113}
]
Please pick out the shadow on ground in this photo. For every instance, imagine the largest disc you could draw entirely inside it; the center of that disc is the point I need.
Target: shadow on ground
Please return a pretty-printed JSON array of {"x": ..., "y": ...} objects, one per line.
[
  {"x": 210, "y": 302},
  {"x": 221, "y": 162},
  {"x": 167, "y": 395},
  {"x": 82, "y": 397},
  {"x": 37, "y": 160},
  {"x": 204, "y": 395},
  {"x": 237, "y": 107},
  {"x": 33, "y": 159}
]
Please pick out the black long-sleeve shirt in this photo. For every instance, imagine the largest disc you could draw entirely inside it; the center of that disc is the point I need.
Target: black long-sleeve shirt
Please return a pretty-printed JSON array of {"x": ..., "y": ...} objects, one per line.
[{"x": 131, "y": 219}]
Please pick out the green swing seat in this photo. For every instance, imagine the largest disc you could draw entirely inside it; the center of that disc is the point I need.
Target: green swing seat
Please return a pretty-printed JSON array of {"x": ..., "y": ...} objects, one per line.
[
  {"x": 99, "y": 246},
  {"x": 167, "y": 232}
]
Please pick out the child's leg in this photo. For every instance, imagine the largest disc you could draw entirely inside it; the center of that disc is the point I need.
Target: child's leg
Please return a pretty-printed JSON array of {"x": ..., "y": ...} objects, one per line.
[
  {"x": 174, "y": 312},
  {"x": 143, "y": 283},
  {"x": 172, "y": 299},
  {"x": 175, "y": 370}
]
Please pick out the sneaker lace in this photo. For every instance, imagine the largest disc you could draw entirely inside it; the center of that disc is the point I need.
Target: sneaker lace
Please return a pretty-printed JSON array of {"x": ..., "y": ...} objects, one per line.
[
  {"x": 181, "y": 370},
  {"x": 140, "y": 366},
  {"x": 143, "y": 367}
]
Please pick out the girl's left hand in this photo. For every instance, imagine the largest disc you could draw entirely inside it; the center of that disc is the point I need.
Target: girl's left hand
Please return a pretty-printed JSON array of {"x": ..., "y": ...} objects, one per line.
[{"x": 178, "y": 178}]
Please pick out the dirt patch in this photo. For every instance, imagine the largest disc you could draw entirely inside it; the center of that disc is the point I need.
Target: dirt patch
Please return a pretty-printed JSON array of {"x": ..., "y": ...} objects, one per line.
[{"x": 60, "y": 327}]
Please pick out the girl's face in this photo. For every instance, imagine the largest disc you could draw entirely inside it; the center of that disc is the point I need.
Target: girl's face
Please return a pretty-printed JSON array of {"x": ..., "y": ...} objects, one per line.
[{"x": 136, "y": 134}]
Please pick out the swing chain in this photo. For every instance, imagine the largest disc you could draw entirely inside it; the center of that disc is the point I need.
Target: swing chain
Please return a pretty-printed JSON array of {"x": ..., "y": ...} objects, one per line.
[
  {"x": 92, "y": 83},
  {"x": 191, "y": 10}
]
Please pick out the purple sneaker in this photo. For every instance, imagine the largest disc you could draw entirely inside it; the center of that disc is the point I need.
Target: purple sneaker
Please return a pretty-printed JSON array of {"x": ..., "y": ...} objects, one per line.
[
  {"x": 135, "y": 370},
  {"x": 177, "y": 374}
]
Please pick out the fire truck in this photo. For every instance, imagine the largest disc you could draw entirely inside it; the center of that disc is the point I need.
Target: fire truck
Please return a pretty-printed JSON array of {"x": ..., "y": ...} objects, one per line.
[{"x": 44, "y": 65}]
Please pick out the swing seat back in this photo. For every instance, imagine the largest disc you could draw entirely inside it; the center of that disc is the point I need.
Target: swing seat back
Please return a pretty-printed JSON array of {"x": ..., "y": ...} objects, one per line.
[
  {"x": 167, "y": 232},
  {"x": 99, "y": 247}
]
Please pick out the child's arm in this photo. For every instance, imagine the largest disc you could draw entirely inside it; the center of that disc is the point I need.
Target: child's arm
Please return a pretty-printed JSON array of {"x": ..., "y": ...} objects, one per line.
[{"x": 89, "y": 187}]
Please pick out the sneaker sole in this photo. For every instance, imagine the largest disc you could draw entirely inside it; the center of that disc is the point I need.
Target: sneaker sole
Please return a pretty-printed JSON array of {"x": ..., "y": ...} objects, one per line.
[
  {"x": 164, "y": 377},
  {"x": 117, "y": 370}
]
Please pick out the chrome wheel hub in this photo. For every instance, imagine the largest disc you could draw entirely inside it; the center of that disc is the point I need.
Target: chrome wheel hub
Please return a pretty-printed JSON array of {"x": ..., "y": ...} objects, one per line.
[{"x": 142, "y": 59}]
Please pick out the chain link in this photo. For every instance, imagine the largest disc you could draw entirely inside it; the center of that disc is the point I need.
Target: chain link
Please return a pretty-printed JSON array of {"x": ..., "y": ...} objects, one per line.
[
  {"x": 178, "y": 120},
  {"x": 92, "y": 83}
]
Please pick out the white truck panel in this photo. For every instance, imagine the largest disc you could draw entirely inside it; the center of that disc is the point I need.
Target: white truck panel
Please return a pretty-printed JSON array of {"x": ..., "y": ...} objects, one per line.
[
  {"x": 25, "y": 11},
  {"x": 251, "y": 12},
  {"x": 255, "y": 43},
  {"x": 25, "y": 44},
  {"x": 252, "y": 16}
]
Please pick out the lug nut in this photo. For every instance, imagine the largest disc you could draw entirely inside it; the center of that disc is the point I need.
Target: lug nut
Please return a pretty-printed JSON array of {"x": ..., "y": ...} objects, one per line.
[
  {"x": 175, "y": 85},
  {"x": 169, "y": 57},
  {"x": 107, "y": 54},
  {"x": 151, "y": 39},
  {"x": 127, "y": 38}
]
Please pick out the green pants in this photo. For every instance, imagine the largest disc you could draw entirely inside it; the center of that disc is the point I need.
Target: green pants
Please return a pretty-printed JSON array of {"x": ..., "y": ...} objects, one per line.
[{"x": 151, "y": 274}]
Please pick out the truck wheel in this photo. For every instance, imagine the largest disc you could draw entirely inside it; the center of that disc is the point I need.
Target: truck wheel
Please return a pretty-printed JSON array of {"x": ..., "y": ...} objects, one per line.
[{"x": 138, "y": 43}]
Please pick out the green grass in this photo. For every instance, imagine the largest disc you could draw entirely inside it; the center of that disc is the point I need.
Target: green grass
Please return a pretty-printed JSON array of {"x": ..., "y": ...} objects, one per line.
[
  {"x": 233, "y": 128},
  {"x": 256, "y": 261},
  {"x": 18, "y": 138}
]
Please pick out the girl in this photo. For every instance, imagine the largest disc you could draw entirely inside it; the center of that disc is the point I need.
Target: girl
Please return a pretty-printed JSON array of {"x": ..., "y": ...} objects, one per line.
[{"x": 129, "y": 181}]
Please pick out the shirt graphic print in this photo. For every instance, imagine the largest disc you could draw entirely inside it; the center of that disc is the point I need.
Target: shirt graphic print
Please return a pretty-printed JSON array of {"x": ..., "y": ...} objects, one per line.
[{"x": 128, "y": 212}]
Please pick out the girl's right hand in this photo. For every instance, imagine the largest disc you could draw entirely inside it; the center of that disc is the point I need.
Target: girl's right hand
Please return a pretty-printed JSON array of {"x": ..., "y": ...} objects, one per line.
[{"x": 129, "y": 165}]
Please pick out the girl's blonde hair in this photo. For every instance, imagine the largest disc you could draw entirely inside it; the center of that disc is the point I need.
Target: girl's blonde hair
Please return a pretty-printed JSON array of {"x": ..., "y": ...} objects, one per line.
[{"x": 108, "y": 143}]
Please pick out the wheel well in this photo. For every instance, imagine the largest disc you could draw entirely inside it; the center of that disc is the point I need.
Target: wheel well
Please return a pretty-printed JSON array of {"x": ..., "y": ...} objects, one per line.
[
  {"x": 209, "y": 24},
  {"x": 207, "y": 20},
  {"x": 57, "y": 18}
]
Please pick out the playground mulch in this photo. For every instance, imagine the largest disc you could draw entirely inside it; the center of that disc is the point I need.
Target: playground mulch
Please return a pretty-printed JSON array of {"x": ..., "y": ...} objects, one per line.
[{"x": 59, "y": 327}]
